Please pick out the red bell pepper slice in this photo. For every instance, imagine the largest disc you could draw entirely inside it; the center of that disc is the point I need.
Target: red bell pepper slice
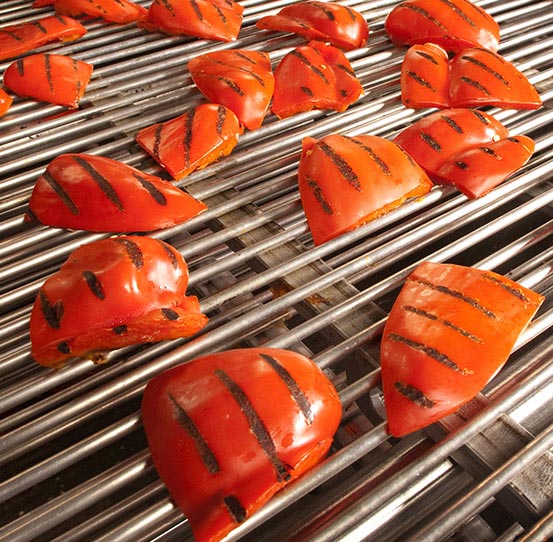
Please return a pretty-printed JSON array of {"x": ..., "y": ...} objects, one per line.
[
  {"x": 483, "y": 78},
  {"x": 329, "y": 22},
  {"x": 219, "y": 20},
  {"x": 5, "y": 102},
  {"x": 86, "y": 192},
  {"x": 42, "y": 3},
  {"x": 434, "y": 138},
  {"x": 193, "y": 140},
  {"x": 57, "y": 79},
  {"x": 239, "y": 79},
  {"x": 228, "y": 430},
  {"x": 314, "y": 76},
  {"x": 449, "y": 331},
  {"x": 454, "y": 25},
  {"x": 478, "y": 169},
  {"x": 113, "y": 11},
  {"x": 113, "y": 293},
  {"x": 347, "y": 181},
  {"x": 425, "y": 77},
  {"x": 20, "y": 38}
]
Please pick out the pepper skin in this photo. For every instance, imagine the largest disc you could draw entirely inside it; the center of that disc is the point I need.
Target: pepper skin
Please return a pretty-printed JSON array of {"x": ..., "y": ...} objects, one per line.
[
  {"x": 449, "y": 331},
  {"x": 112, "y": 293},
  {"x": 112, "y": 11},
  {"x": 347, "y": 181},
  {"x": 329, "y": 22},
  {"x": 314, "y": 76},
  {"x": 451, "y": 24},
  {"x": 239, "y": 79},
  {"x": 218, "y": 20},
  {"x": 228, "y": 430},
  {"x": 21, "y": 38},
  {"x": 57, "y": 79},
  {"x": 86, "y": 192},
  {"x": 5, "y": 102}
]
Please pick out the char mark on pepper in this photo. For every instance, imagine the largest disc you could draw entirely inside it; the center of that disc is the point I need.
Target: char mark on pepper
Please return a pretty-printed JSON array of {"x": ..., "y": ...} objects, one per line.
[
  {"x": 458, "y": 11},
  {"x": 170, "y": 314},
  {"x": 12, "y": 35},
  {"x": 318, "y": 193},
  {"x": 325, "y": 10},
  {"x": 452, "y": 124},
  {"x": 293, "y": 387},
  {"x": 168, "y": 6},
  {"x": 476, "y": 84},
  {"x": 345, "y": 169},
  {"x": 52, "y": 312},
  {"x": 170, "y": 254},
  {"x": 235, "y": 508},
  {"x": 157, "y": 139},
  {"x": 94, "y": 284},
  {"x": 310, "y": 65},
  {"x": 156, "y": 195},
  {"x": 133, "y": 251},
  {"x": 220, "y": 14},
  {"x": 221, "y": 118},
  {"x": 480, "y": 117},
  {"x": 426, "y": 15},
  {"x": 485, "y": 68},
  {"x": 430, "y": 141},
  {"x": 430, "y": 351},
  {"x": 188, "y": 135},
  {"x": 414, "y": 394},
  {"x": 101, "y": 181},
  {"x": 40, "y": 27},
  {"x": 489, "y": 152},
  {"x": 256, "y": 424},
  {"x": 427, "y": 56},
  {"x": 384, "y": 167},
  {"x": 187, "y": 423},
  {"x": 420, "y": 80},
  {"x": 61, "y": 193},
  {"x": 197, "y": 10},
  {"x": 507, "y": 287}
]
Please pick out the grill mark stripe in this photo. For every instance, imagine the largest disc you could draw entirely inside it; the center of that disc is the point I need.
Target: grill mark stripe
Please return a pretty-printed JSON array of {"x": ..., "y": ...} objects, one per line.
[
  {"x": 221, "y": 119},
  {"x": 430, "y": 351},
  {"x": 447, "y": 323},
  {"x": 480, "y": 116},
  {"x": 235, "y": 508},
  {"x": 170, "y": 254},
  {"x": 170, "y": 314},
  {"x": 427, "y": 56},
  {"x": 93, "y": 282},
  {"x": 133, "y": 250},
  {"x": 417, "y": 78},
  {"x": 245, "y": 57},
  {"x": 377, "y": 159},
  {"x": 221, "y": 15},
  {"x": 187, "y": 139},
  {"x": 507, "y": 287},
  {"x": 20, "y": 65},
  {"x": 249, "y": 71},
  {"x": 187, "y": 423},
  {"x": 426, "y": 15},
  {"x": 307, "y": 90},
  {"x": 61, "y": 193},
  {"x": 12, "y": 35},
  {"x": 293, "y": 387},
  {"x": 345, "y": 169},
  {"x": 457, "y": 295},
  {"x": 318, "y": 194},
  {"x": 414, "y": 394},
  {"x": 452, "y": 124},
  {"x": 329, "y": 14},
  {"x": 197, "y": 10},
  {"x": 40, "y": 27},
  {"x": 430, "y": 141},
  {"x": 310, "y": 65},
  {"x": 457, "y": 10},
  {"x": 473, "y": 83},
  {"x": 101, "y": 181},
  {"x": 157, "y": 139},
  {"x": 48, "y": 71},
  {"x": 77, "y": 80},
  {"x": 489, "y": 152},
  {"x": 256, "y": 424},
  {"x": 152, "y": 190},
  {"x": 168, "y": 6},
  {"x": 486, "y": 68},
  {"x": 53, "y": 313}
]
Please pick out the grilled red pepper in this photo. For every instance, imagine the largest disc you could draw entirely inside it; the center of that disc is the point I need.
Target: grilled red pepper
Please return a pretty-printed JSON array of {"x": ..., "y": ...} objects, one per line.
[
  {"x": 425, "y": 77},
  {"x": 227, "y": 430},
  {"x": 193, "y": 140},
  {"x": 86, "y": 192},
  {"x": 42, "y": 3},
  {"x": 5, "y": 102},
  {"x": 314, "y": 76},
  {"x": 57, "y": 79},
  {"x": 481, "y": 78},
  {"x": 241, "y": 80},
  {"x": 452, "y": 24},
  {"x": 449, "y": 331},
  {"x": 113, "y": 293},
  {"x": 347, "y": 181},
  {"x": 20, "y": 38},
  {"x": 330, "y": 22},
  {"x": 113, "y": 11},
  {"x": 219, "y": 20}
]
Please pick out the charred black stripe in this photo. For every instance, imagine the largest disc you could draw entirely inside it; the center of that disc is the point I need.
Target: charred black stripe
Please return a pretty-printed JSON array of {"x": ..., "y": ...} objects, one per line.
[
  {"x": 457, "y": 295},
  {"x": 20, "y": 67},
  {"x": 170, "y": 314},
  {"x": 94, "y": 284},
  {"x": 63, "y": 348},
  {"x": 310, "y": 65},
  {"x": 220, "y": 14},
  {"x": 459, "y": 12},
  {"x": 346, "y": 69},
  {"x": 187, "y": 423},
  {"x": 353, "y": 15},
  {"x": 197, "y": 10},
  {"x": 427, "y": 56},
  {"x": 482, "y": 118},
  {"x": 325, "y": 10},
  {"x": 414, "y": 395},
  {"x": 377, "y": 159},
  {"x": 292, "y": 386},
  {"x": 60, "y": 18},
  {"x": 430, "y": 141},
  {"x": 232, "y": 85},
  {"x": 421, "y": 81},
  {"x": 486, "y": 68},
  {"x": 119, "y": 330},
  {"x": 53, "y": 313},
  {"x": 245, "y": 57},
  {"x": 257, "y": 426},
  {"x": 187, "y": 139},
  {"x": 408, "y": 156},
  {"x": 430, "y": 351},
  {"x": 235, "y": 508},
  {"x": 452, "y": 124},
  {"x": 157, "y": 139},
  {"x": 507, "y": 287},
  {"x": 307, "y": 90},
  {"x": 345, "y": 169},
  {"x": 462, "y": 165},
  {"x": 170, "y": 251},
  {"x": 426, "y": 15},
  {"x": 154, "y": 192},
  {"x": 241, "y": 68},
  {"x": 61, "y": 193},
  {"x": 489, "y": 152},
  {"x": 318, "y": 193},
  {"x": 221, "y": 118},
  {"x": 12, "y": 35},
  {"x": 133, "y": 250},
  {"x": 475, "y": 84},
  {"x": 101, "y": 181},
  {"x": 40, "y": 27},
  {"x": 447, "y": 323},
  {"x": 48, "y": 71},
  {"x": 77, "y": 80},
  {"x": 168, "y": 6}
]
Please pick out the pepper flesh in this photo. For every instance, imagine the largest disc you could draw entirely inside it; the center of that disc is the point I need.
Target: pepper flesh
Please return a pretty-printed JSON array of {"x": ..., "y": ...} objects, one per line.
[
  {"x": 113, "y": 11},
  {"x": 57, "y": 79},
  {"x": 5, "y": 102},
  {"x": 450, "y": 330},
  {"x": 347, "y": 181},
  {"x": 228, "y": 430},
  {"x": 329, "y": 22},
  {"x": 112, "y": 293},
  {"x": 94, "y": 193}
]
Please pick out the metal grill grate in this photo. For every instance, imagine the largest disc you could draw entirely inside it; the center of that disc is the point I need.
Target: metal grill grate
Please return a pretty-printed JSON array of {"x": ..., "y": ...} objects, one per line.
[{"x": 75, "y": 466}]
